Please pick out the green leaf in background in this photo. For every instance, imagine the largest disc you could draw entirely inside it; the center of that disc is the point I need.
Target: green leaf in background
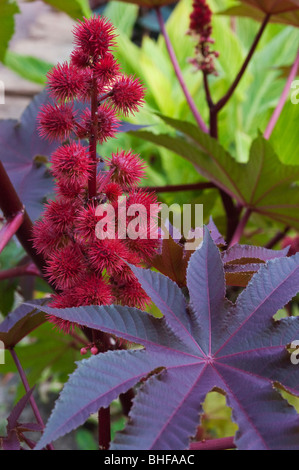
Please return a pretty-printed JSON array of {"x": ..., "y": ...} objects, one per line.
[
  {"x": 7, "y": 24},
  {"x": 47, "y": 353},
  {"x": 149, "y": 3},
  {"x": 264, "y": 184},
  {"x": 123, "y": 16},
  {"x": 284, "y": 138},
  {"x": 30, "y": 68},
  {"x": 85, "y": 440},
  {"x": 76, "y": 9}
]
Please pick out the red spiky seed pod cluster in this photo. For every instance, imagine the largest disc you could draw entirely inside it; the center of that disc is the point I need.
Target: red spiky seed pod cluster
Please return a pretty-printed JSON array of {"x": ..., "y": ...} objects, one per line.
[
  {"x": 201, "y": 29},
  {"x": 86, "y": 269}
]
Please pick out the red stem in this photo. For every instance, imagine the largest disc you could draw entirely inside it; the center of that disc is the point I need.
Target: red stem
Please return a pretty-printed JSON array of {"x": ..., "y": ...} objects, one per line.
[
  {"x": 221, "y": 103},
  {"x": 10, "y": 204},
  {"x": 27, "y": 270},
  {"x": 104, "y": 428},
  {"x": 92, "y": 182},
  {"x": 27, "y": 389},
  {"x": 180, "y": 187},
  {"x": 179, "y": 74},
  {"x": 277, "y": 238},
  {"x": 10, "y": 229},
  {"x": 240, "y": 229},
  {"x": 214, "y": 444},
  {"x": 283, "y": 98}
]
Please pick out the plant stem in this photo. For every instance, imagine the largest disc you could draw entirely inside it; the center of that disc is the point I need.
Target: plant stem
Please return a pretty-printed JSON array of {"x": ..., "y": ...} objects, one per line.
[
  {"x": 214, "y": 444},
  {"x": 10, "y": 229},
  {"x": 126, "y": 400},
  {"x": 277, "y": 238},
  {"x": 104, "y": 428},
  {"x": 92, "y": 181},
  {"x": 11, "y": 205},
  {"x": 283, "y": 98},
  {"x": 222, "y": 102},
  {"x": 27, "y": 389},
  {"x": 240, "y": 228},
  {"x": 27, "y": 270},
  {"x": 180, "y": 187},
  {"x": 179, "y": 74}
]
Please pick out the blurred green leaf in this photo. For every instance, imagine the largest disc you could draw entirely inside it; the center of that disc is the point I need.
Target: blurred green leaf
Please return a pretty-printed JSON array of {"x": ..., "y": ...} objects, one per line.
[
  {"x": 28, "y": 67},
  {"x": 76, "y": 9},
  {"x": 7, "y": 24},
  {"x": 264, "y": 184},
  {"x": 123, "y": 16},
  {"x": 85, "y": 440},
  {"x": 284, "y": 138}
]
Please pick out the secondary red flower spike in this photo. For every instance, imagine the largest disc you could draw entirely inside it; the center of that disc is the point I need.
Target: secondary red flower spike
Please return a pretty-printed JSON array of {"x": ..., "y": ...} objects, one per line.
[
  {"x": 85, "y": 267},
  {"x": 201, "y": 30}
]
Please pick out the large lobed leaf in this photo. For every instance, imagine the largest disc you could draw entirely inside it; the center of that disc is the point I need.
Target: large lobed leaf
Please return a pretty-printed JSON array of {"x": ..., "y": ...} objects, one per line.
[
  {"x": 20, "y": 323},
  {"x": 237, "y": 348},
  {"x": 281, "y": 11},
  {"x": 24, "y": 155}
]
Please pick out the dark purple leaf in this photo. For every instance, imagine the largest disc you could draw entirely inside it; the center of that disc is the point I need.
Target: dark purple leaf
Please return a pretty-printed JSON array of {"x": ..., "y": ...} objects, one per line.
[
  {"x": 215, "y": 234},
  {"x": 11, "y": 442},
  {"x": 258, "y": 253},
  {"x": 20, "y": 322},
  {"x": 24, "y": 155},
  {"x": 237, "y": 348},
  {"x": 12, "y": 420}
]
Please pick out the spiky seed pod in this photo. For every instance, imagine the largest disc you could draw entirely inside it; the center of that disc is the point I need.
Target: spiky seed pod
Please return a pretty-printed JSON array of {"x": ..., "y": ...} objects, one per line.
[
  {"x": 56, "y": 122},
  {"x": 127, "y": 94}
]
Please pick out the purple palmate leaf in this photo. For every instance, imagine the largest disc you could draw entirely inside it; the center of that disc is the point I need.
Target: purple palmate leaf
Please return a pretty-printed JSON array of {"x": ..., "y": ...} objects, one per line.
[
  {"x": 258, "y": 253},
  {"x": 237, "y": 348},
  {"x": 24, "y": 155}
]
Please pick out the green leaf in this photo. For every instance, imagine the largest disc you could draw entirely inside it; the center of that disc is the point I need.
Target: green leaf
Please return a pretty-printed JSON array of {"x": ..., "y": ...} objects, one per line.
[
  {"x": 209, "y": 158},
  {"x": 76, "y": 9},
  {"x": 284, "y": 138},
  {"x": 28, "y": 67},
  {"x": 85, "y": 440},
  {"x": 264, "y": 184},
  {"x": 122, "y": 16},
  {"x": 7, "y": 11}
]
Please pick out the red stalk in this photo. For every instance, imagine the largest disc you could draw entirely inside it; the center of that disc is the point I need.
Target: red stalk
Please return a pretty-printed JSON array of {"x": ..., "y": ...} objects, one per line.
[{"x": 10, "y": 229}]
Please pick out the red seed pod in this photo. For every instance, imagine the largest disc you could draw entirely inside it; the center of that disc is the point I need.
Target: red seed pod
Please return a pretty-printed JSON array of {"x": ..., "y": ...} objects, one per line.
[
  {"x": 107, "y": 123},
  {"x": 94, "y": 36},
  {"x": 83, "y": 351},
  {"x": 71, "y": 164},
  {"x": 128, "y": 169},
  {"x": 107, "y": 69},
  {"x": 127, "y": 94},
  {"x": 65, "y": 82},
  {"x": 56, "y": 122}
]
